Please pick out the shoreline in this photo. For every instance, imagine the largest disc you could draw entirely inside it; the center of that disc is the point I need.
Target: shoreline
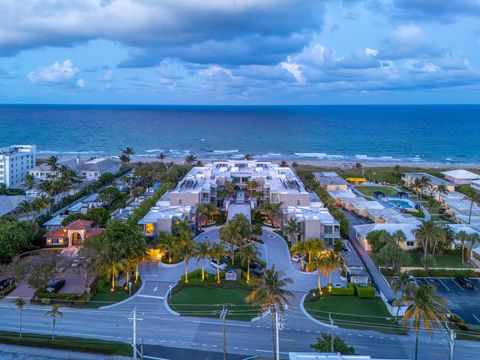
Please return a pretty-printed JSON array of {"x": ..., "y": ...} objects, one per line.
[{"x": 334, "y": 164}]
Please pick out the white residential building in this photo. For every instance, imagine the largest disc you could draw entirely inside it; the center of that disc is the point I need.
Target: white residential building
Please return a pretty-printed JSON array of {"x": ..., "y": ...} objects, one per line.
[
  {"x": 15, "y": 161},
  {"x": 460, "y": 176}
]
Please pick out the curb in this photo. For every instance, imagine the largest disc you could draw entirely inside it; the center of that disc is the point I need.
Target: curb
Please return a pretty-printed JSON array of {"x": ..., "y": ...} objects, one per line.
[
  {"x": 170, "y": 266},
  {"x": 165, "y": 302},
  {"x": 127, "y": 299},
  {"x": 312, "y": 318}
]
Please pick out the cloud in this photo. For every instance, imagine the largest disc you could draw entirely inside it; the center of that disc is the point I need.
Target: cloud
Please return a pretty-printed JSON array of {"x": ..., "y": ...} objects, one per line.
[
  {"x": 294, "y": 69},
  {"x": 57, "y": 73},
  {"x": 371, "y": 52},
  {"x": 259, "y": 32},
  {"x": 80, "y": 83},
  {"x": 443, "y": 10}
]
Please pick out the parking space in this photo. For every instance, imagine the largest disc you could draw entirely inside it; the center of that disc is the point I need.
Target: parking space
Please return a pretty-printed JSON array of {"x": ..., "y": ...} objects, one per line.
[{"x": 463, "y": 302}]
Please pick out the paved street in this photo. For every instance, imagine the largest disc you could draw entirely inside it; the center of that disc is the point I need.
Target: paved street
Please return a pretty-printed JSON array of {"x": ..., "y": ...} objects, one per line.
[{"x": 164, "y": 332}]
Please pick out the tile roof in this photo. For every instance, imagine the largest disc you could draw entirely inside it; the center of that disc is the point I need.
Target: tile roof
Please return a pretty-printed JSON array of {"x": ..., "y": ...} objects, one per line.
[
  {"x": 56, "y": 233},
  {"x": 79, "y": 224},
  {"x": 93, "y": 232}
]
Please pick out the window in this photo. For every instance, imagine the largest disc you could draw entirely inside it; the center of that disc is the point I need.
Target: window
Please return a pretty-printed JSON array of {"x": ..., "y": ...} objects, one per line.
[
  {"x": 179, "y": 201},
  {"x": 298, "y": 202},
  {"x": 328, "y": 229},
  {"x": 410, "y": 243},
  {"x": 149, "y": 228}
]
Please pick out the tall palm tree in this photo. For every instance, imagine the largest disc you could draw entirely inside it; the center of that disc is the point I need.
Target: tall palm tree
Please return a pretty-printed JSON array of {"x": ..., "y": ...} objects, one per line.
[
  {"x": 20, "y": 303},
  {"x": 441, "y": 190},
  {"x": 230, "y": 236},
  {"x": 319, "y": 262},
  {"x": 3, "y": 189},
  {"x": 25, "y": 207},
  {"x": 428, "y": 235},
  {"x": 474, "y": 197},
  {"x": 312, "y": 246},
  {"x": 291, "y": 229},
  {"x": 202, "y": 251},
  {"x": 396, "y": 169},
  {"x": 404, "y": 286},
  {"x": 54, "y": 313},
  {"x": 334, "y": 261},
  {"x": 40, "y": 203},
  {"x": 190, "y": 159},
  {"x": 186, "y": 249},
  {"x": 168, "y": 244},
  {"x": 112, "y": 261},
  {"x": 216, "y": 252},
  {"x": 128, "y": 151},
  {"x": 247, "y": 253},
  {"x": 462, "y": 236},
  {"x": 424, "y": 308},
  {"x": 251, "y": 186},
  {"x": 270, "y": 295},
  {"x": 29, "y": 180}
]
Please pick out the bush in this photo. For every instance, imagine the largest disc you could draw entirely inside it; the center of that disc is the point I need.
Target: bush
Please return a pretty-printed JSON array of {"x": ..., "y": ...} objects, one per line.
[
  {"x": 364, "y": 292},
  {"x": 443, "y": 273},
  {"x": 348, "y": 291}
]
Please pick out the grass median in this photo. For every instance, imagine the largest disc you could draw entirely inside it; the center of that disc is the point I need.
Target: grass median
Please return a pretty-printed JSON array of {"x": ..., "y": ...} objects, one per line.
[
  {"x": 66, "y": 343},
  {"x": 353, "y": 312},
  {"x": 205, "y": 302}
]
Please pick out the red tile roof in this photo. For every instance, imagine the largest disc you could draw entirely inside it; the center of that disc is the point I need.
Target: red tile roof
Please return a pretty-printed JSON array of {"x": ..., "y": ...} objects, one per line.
[
  {"x": 56, "y": 233},
  {"x": 93, "y": 232},
  {"x": 79, "y": 224}
]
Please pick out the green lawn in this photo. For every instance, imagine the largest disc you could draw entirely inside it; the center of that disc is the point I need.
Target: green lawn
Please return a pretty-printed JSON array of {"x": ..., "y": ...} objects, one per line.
[
  {"x": 67, "y": 343},
  {"x": 353, "y": 312},
  {"x": 105, "y": 297},
  {"x": 204, "y": 302},
  {"x": 369, "y": 190},
  {"x": 450, "y": 259}
]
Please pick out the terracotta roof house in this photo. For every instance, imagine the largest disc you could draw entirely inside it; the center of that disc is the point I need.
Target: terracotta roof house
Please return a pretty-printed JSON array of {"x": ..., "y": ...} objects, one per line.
[{"x": 74, "y": 234}]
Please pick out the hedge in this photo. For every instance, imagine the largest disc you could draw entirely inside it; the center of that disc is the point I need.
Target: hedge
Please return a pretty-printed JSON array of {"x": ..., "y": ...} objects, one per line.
[
  {"x": 210, "y": 282},
  {"x": 443, "y": 273},
  {"x": 364, "y": 292}
]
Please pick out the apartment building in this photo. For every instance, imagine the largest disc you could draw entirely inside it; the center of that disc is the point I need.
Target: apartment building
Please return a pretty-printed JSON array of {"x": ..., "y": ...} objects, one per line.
[{"x": 15, "y": 161}]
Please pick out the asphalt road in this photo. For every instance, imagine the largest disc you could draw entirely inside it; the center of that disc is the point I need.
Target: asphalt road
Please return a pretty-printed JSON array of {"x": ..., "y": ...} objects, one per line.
[{"x": 167, "y": 334}]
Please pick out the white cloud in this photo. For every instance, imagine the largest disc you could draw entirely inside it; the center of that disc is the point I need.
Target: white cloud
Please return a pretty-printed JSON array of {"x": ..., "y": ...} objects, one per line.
[
  {"x": 371, "y": 52},
  {"x": 294, "y": 69},
  {"x": 107, "y": 76},
  {"x": 80, "y": 83},
  {"x": 214, "y": 70},
  {"x": 57, "y": 73}
]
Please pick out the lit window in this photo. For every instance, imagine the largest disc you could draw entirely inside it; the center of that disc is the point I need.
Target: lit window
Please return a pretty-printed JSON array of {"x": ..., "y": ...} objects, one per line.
[{"x": 149, "y": 228}]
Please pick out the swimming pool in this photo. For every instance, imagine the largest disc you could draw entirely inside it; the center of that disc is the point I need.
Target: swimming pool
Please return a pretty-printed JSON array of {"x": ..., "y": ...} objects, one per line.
[{"x": 404, "y": 204}]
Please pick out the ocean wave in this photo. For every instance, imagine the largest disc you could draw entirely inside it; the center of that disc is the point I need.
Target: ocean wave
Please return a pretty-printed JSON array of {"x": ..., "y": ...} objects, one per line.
[
  {"x": 153, "y": 150},
  {"x": 377, "y": 158},
  {"x": 80, "y": 152},
  {"x": 319, "y": 155},
  {"x": 268, "y": 155},
  {"x": 225, "y": 151}
]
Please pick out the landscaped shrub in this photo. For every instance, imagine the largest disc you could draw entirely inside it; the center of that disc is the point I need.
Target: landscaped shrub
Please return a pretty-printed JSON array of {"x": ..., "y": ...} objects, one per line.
[
  {"x": 348, "y": 291},
  {"x": 364, "y": 292},
  {"x": 443, "y": 273},
  {"x": 387, "y": 271}
]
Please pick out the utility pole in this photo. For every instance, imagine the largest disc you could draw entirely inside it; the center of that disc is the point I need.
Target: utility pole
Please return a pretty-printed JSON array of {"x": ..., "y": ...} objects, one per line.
[
  {"x": 223, "y": 315},
  {"x": 332, "y": 346},
  {"x": 134, "y": 319}
]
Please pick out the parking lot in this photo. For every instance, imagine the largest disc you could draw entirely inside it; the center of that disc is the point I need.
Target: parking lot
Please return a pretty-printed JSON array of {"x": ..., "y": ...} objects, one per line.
[{"x": 463, "y": 302}]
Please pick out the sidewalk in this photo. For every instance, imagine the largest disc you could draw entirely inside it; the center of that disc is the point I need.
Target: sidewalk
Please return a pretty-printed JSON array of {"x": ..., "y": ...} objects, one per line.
[{"x": 16, "y": 352}]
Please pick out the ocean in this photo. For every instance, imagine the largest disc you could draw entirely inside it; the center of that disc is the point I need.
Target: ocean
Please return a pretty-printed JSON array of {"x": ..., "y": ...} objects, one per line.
[{"x": 417, "y": 133}]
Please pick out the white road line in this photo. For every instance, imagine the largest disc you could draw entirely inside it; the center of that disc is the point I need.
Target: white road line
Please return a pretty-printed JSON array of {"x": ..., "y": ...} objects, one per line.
[
  {"x": 476, "y": 318},
  {"x": 446, "y": 287},
  {"x": 155, "y": 289},
  {"x": 152, "y": 297},
  {"x": 461, "y": 288}
]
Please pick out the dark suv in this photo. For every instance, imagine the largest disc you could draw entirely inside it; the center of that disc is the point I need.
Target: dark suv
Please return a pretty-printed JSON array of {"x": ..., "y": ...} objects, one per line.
[
  {"x": 54, "y": 286},
  {"x": 464, "y": 282},
  {"x": 256, "y": 268}
]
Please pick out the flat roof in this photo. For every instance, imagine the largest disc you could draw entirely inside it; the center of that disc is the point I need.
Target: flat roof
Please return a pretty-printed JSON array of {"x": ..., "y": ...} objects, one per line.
[
  {"x": 461, "y": 174},
  {"x": 433, "y": 179},
  {"x": 330, "y": 178}
]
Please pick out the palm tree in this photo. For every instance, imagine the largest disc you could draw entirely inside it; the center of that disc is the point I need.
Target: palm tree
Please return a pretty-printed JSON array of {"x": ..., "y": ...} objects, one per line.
[
  {"x": 54, "y": 313},
  {"x": 112, "y": 261},
  {"x": 40, "y": 203},
  {"x": 52, "y": 162},
  {"x": 291, "y": 229},
  {"x": 284, "y": 163},
  {"x": 216, "y": 252},
  {"x": 24, "y": 207},
  {"x": 462, "y": 236},
  {"x": 128, "y": 151},
  {"x": 202, "y": 251},
  {"x": 358, "y": 168},
  {"x": 230, "y": 235},
  {"x": 474, "y": 197},
  {"x": 319, "y": 262},
  {"x": 30, "y": 180},
  {"x": 270, "y": 295},
  {"x": 428, "y": 235},
  {"x": 404, "y": 286},
  {"x": 334, "y": 261},
  {"x": 161, "y": 157},
  {"x": 441, "y": 190},
  {"x": 251, "y": 186},
  {"x": 300, "y": 248},
  {"x": 396, "y": 169},
  {"x": 190, "y": 159},
  {"x": 248, "y": 157},
  {"x": 272, "y": 210},
  {"x": 186, "y": 250},
  {"x": 125, "y": 159},
  {"x": 247, "y": 253},
  {"x": 423, "y": 307},
  {"x": 168, "y": 243},
  {"x": 3, "y": 189},
  {"x": 20, "y": 303},
  {"x": 312, "y": 246}
]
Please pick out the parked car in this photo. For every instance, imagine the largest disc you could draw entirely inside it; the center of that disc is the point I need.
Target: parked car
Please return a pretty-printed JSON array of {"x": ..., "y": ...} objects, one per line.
[
  {"x": 464, "y": 282},
  {"x": 55, "y": 285},
  {"x": 297, "y": 258},
  {"x": 6, "y": 283},
  {"x": 222, "y": 266}
]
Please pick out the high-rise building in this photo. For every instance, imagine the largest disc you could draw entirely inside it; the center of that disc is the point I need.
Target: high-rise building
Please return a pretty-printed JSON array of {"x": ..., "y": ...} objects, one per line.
[{"x": 15, "y": 161}]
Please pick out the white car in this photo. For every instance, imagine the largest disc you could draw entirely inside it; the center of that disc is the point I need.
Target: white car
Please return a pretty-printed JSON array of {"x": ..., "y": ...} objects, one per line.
[
  {"x": 222, "y": 266},
  {"x": 297, "y": 258}
]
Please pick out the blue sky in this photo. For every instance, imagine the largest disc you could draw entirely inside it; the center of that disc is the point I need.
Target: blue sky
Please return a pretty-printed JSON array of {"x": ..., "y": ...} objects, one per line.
[{"x": 239, "y": 51}]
